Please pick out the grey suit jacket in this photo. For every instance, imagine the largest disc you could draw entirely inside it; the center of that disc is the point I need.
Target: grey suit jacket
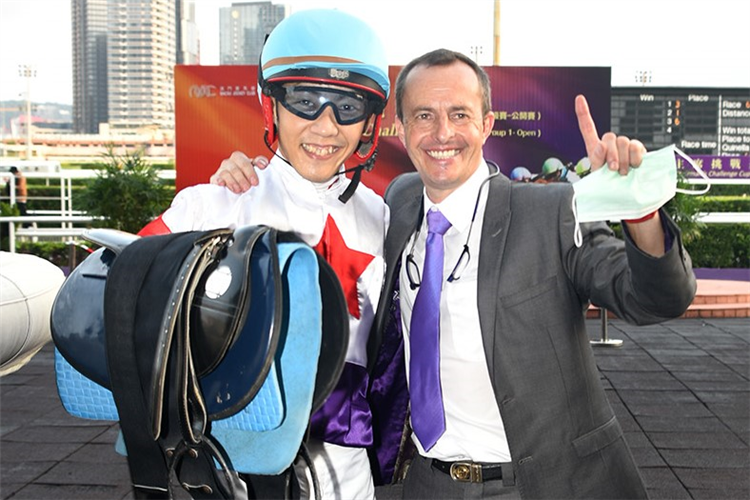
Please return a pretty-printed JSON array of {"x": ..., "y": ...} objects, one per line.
[{"x": 534, "y": 288}]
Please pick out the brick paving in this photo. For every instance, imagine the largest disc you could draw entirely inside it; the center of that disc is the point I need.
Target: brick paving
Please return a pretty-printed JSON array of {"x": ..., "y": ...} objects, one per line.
[{"x": 680, "y": 389}]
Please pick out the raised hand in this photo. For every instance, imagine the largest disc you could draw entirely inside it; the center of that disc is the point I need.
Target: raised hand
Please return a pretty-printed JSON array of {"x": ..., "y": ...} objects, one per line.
[{"x": 618, "y": 152}]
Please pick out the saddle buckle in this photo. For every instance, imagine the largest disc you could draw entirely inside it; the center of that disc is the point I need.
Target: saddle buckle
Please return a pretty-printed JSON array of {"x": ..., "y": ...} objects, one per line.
[{"x": 466, "y": 472}]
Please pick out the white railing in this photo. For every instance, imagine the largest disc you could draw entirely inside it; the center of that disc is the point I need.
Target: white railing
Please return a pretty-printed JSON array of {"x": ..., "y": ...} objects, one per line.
[
  {"x": 71, "y": 223},
  {"x": 65, "y": 178},
  {"x": 66, "y": 228},
  {"x": 724, "y": 217}
]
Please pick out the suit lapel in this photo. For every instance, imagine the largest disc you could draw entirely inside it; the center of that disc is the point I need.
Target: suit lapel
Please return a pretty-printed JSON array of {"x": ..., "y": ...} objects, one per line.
[
  {"x": 494, "y": 234},
  {"x": 403, "y": 225}
]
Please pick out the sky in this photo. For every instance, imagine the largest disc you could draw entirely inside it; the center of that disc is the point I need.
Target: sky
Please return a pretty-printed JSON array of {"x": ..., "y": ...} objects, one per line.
[{"x": 680, "y": 43}]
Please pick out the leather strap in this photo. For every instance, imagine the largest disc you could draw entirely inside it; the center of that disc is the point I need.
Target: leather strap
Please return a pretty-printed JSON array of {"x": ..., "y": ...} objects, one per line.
[{"x": 148, "y": 468}]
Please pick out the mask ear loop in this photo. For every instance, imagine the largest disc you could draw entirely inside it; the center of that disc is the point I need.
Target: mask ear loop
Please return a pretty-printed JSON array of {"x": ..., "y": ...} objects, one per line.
[
  {"x": 700, "y": 172},
  {"x": 577, "y": 235}
]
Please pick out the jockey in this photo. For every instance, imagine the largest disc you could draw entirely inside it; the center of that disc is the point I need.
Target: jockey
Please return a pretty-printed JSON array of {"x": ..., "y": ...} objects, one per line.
[{"x": 323, "y": 82}]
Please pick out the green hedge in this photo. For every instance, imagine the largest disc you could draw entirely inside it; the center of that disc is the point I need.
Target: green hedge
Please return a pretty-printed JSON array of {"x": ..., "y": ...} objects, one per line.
[
  {"x": 724, "y": 204},
  {"x": 55, "y": 251},
  {"x": 729, "y": 190},
  {"x": 721, "y": 246}
]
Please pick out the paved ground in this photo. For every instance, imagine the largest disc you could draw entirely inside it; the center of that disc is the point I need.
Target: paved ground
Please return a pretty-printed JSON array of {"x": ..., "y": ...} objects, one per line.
[{"x": 680, "y": 389}]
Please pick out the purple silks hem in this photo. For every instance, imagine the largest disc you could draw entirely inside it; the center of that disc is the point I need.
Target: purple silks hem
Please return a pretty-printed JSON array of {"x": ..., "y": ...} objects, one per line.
[
  {"x": 345, "y": 418},
  {"x": 389, "y": 396}
]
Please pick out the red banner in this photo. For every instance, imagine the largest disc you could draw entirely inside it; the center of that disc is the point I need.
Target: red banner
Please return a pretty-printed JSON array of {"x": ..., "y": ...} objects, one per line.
[{"x": 217, "y": 111}]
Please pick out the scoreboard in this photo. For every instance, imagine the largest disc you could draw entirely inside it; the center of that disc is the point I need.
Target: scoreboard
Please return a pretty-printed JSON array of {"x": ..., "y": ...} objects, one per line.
[
  {"x": 711, "y": 125},
  {"x": 700, "y": 121}
]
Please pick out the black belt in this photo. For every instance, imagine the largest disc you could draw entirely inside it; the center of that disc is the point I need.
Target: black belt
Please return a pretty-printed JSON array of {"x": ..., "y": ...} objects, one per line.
[{"x": 469, "y": 472}]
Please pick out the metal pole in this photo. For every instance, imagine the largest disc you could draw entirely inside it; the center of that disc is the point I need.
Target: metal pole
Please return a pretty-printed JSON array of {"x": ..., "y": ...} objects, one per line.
[
  {"x": 605, "y": 341},
  {"x": 72, "y": 255},
  {"x": 476, "y": 51},
  {"x": 27, "y": 72},
  {"x": 12, "y": 237},
  {"x": 496, "y": 51},
  {"x": 28, "y": 118}
]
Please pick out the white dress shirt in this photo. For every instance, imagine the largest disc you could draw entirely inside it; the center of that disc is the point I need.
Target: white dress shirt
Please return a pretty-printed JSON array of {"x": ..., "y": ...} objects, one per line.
[{"x": 473, "y": 426}]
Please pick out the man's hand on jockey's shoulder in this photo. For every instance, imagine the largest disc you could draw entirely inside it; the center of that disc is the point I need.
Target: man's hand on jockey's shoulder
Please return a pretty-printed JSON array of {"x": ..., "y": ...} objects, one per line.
[
  {"x": 237, "y": 173},
  {"x": 618, "y": 152}
]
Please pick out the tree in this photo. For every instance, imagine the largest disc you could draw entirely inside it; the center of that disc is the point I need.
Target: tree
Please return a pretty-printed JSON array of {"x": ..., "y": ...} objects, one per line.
[{"x": 127, "y": 192}]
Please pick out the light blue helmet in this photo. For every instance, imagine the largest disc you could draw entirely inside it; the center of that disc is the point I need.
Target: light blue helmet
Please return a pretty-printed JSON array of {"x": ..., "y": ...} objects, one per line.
[{"x": 326, "y": 46}]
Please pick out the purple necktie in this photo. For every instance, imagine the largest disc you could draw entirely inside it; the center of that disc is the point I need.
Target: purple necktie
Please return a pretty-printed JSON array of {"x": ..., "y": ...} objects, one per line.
[{"x": 427, "y": 415}]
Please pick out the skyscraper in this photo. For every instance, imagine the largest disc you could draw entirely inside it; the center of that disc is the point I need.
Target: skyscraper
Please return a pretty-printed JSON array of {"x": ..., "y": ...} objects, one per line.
[
  {"x": 89, "y": 65},
  {"x": 188, "y": 43},
  {"x": 142, "y": 52},
  {"x": 243, "y": 28},
  {"x": 124, "y": 52}
]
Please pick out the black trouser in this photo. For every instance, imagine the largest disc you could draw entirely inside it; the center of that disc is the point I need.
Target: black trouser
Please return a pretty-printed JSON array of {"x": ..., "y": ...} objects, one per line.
[{"x": 22, "y": 211}]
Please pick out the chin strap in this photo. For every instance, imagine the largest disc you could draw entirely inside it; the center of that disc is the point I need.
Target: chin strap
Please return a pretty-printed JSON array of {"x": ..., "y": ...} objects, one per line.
[
  {"x": 347, "y": 194},
  {"x": 367, "y": 165},
  {"x": 344, "y": 197}
]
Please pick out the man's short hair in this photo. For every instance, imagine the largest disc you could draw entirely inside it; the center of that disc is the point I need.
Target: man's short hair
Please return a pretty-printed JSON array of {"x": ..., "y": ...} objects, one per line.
[
  {"x": 13, "y": 170},
  {"x": 442, "y": 57}
]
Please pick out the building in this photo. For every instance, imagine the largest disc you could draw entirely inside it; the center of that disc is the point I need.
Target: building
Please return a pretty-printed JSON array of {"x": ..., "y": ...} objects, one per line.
[
  {"x": 243, "y": 28},
  {"x": 124, "y": 52},
  {"x": 188, "y": 42},
  {"x": 142, "y": 52},
  {"x": 89, "y": 65}
]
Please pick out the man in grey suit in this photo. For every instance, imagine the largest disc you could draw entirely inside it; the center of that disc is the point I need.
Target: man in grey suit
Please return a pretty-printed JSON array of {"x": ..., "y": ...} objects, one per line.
[{"x": 522, "y": 411}]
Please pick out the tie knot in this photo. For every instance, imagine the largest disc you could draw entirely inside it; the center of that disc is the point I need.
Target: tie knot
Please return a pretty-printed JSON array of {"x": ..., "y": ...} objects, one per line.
[{"x": 437, "y": 223}]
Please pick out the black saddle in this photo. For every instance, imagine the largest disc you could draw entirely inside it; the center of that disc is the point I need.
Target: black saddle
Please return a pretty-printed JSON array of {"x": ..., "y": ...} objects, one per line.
[{"x": 216, "y": 347}]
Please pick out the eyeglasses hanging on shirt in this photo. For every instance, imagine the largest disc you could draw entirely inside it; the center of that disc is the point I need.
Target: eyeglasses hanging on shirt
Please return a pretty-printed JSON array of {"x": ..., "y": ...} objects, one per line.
[{"x": 412, "y": 270}]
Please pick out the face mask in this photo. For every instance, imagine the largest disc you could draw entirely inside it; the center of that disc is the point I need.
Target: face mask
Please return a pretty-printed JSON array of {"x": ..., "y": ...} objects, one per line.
[{"x": 605, "y": 195}]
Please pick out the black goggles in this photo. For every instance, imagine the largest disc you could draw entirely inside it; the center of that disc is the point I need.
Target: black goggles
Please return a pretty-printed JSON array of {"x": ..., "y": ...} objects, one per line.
[{"x": 309, "y": 102}]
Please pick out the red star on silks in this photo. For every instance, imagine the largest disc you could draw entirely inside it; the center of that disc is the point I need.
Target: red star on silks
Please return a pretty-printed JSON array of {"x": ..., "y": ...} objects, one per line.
[{"x": 348, "y": 264}]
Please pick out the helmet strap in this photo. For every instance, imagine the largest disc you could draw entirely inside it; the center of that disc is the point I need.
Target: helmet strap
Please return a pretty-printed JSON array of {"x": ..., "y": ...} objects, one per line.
[
  {"x": 369, "y": 143},
  {"x": 344, "y": 197},
  {"x": 267, "y": 103},
  {"x": 367, "y": 165}
]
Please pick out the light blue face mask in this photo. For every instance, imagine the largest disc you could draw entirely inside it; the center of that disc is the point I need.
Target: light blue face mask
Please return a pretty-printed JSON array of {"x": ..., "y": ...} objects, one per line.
[{"x": 605, "y": 195}]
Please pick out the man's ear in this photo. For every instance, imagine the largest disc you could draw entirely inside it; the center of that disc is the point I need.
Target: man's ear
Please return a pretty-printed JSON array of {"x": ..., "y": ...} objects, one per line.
[
  {"x": 488, "y": 123},
  {"x": 400, "y": 131}
]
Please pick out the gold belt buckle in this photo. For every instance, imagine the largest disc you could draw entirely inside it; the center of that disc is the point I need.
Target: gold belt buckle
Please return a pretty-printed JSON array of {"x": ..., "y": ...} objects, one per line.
[{"x": 466, "y": 472}]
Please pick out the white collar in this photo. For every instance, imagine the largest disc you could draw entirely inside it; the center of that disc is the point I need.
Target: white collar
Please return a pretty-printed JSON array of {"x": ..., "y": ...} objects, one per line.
[
  {"x": 320, "y": 190},
  {"x": 458, "y": 207}
]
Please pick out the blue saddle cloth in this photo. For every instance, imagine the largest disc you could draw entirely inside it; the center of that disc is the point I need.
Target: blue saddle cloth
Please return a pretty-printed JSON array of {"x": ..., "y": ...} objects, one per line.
[{"x": 264, "y": 436}]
